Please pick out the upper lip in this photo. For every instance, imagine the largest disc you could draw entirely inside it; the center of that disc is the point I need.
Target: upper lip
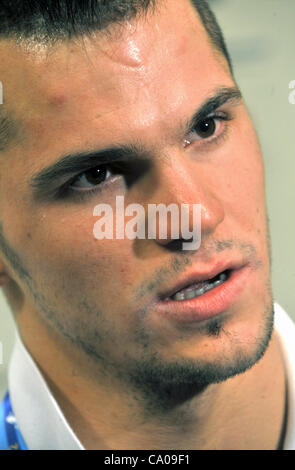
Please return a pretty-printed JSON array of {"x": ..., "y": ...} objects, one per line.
[{"x": 198, "y": 276}]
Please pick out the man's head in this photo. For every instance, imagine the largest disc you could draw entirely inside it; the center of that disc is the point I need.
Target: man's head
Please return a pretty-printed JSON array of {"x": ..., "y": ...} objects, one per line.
[{"x": 158, "y": 91}]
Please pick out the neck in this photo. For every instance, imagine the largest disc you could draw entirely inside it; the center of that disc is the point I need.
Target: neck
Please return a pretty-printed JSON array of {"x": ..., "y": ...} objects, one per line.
[{"x": 108, "y": 414}]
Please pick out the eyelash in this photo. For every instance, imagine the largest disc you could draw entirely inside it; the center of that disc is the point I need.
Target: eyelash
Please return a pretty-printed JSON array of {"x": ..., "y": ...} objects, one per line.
[{"x": 66, "y": 191}]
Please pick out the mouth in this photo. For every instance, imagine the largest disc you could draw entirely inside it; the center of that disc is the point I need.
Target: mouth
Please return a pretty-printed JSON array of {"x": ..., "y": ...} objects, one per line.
[
  {"x": 199, "y": 288},
  {"x": 203, "y": 295}
]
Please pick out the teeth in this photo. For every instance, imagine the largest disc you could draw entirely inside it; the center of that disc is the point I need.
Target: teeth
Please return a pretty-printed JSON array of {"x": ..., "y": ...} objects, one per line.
[
  {"x": 179, "y": 296},
  {"x": 200, "y": 291}
]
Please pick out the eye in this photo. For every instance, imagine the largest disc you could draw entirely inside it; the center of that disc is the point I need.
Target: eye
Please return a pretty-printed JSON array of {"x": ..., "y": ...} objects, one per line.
[
  {"x": 90, "y": 178},
  {"x": 208, "y": 128}
]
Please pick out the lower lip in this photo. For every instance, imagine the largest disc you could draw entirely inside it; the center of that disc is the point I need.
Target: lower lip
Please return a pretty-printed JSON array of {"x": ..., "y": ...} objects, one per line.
[{"x": 212, "y": 303}]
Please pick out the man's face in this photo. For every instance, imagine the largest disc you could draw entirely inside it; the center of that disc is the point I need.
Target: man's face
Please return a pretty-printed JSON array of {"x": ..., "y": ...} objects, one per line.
[{"x": 136, "y": 89}]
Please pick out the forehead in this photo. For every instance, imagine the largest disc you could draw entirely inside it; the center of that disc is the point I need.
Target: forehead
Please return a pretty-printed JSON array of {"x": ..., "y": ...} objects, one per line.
[{"x": 98, "y": 87}]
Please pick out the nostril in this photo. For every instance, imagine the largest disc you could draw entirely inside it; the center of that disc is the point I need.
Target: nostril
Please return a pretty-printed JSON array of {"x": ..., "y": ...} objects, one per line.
[{"x": 175, "y": 245}]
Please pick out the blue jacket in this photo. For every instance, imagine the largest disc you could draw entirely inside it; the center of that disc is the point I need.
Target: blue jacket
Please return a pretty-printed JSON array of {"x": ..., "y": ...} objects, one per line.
[{"x": 10, "y": 436}]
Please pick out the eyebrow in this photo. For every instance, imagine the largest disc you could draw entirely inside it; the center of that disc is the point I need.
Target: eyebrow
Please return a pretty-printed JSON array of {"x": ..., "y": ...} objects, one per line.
[{"x": 46, "y": 183}]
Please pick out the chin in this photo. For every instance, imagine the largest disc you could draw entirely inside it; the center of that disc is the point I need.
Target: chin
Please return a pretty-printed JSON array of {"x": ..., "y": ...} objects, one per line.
[{"x": 225, "y": 351}]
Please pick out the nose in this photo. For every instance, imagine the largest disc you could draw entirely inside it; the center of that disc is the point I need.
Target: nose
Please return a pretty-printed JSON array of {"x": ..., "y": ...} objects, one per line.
[{"x": 189, "y": 192}]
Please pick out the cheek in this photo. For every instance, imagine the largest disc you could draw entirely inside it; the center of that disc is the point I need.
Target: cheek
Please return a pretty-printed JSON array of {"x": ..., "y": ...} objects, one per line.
[
  {"x": 243, "y": 176},
  {"x": 69, "y": 253},
  {"x": 244, "y": 196},
  {"x": 56, "y": 245}
]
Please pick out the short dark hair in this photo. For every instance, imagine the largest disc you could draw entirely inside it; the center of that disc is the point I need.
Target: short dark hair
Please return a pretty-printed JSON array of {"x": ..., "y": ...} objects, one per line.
[
  {"x": 213, "y": 29},
  {"x": 51, "y": 20}
]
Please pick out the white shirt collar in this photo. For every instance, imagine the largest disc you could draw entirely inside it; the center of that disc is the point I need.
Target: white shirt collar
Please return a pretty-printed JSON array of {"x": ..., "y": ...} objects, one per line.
[
  {"x": 43, "y": 425},
  {"x": 39, "y": 417},
  {"x": 286, "y": 330}
]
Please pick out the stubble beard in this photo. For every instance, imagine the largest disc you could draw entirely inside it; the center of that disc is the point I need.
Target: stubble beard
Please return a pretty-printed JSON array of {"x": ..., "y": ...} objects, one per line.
[
  {"x": 162, "y": 383},
  {"x": 165, "y": 385}
]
